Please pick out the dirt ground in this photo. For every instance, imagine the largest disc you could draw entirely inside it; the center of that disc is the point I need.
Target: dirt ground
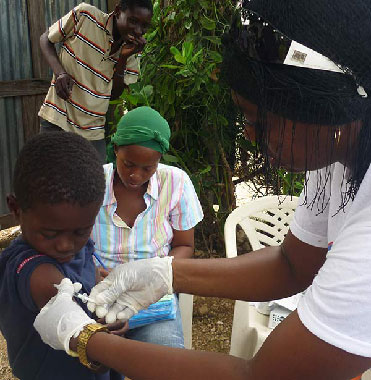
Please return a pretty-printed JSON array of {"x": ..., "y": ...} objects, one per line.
[{"x": 211, "y": 330}]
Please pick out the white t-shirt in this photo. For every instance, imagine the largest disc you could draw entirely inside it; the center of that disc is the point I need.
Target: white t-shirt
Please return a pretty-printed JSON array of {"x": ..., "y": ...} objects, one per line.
[{"x": 337, "y": 306}]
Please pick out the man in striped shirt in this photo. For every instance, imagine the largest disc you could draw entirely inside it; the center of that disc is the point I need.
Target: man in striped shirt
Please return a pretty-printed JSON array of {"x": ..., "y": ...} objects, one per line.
[{"x": 97, "y": 59}]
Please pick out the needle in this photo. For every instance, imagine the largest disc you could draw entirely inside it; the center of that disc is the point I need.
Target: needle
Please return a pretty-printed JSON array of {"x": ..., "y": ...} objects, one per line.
[{"x": 83, "y": 297}]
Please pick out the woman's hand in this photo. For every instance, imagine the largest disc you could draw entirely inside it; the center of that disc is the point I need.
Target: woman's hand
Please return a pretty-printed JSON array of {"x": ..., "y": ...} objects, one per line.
[
  {"x": 116, "y": 328},
  {"x": 62, "y": 318},
  {"x": 132, "y": 287},
  {"x": 63, "y": 85},
  {"x": 103, "y": 272}
]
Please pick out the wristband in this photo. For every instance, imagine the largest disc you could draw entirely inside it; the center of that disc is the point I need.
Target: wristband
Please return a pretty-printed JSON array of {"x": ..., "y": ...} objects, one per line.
[
  {"x": 83, "y": 339},
  {"x": 120, "y": 75},
  {"x": 63, "y": 72}
]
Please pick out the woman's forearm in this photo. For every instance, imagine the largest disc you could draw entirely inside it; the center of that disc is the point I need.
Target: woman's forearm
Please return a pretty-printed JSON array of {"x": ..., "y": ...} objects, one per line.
[
  {"x": 145, "y": 361},
  {"x": 257, "y": 276},
  {"x": 182, "y": 252}
]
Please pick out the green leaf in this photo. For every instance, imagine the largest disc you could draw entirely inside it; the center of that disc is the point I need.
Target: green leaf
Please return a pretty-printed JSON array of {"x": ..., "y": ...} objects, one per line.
[
  {"x": 206, "y": 170},
  {"x": 147, "y": 91},
  {"x": 187, "y": 49},
  {"x": 173, "y": 67},
  {"x": 207, "y": 23},
  {"x": 196, "y": 56},
  {"x": 205, "y": 4},
  {"x": 213, "y": 39},
  {"x": 151, "y": 36},
  {"x": 174, "y": 50},
  {"x": 188, "y": 24},
  {"x": 133, "y": 99},
  {"x": 222, "y": 120},
  {"x": 215, "y": 56},
  {"x": 169, "y": 158}
]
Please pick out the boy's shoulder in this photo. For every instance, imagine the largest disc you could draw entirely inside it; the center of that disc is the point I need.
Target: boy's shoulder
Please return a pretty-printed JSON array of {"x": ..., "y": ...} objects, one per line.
[
  {"x": 90, "y": 9},
  {"x": 18, "y": 250}
]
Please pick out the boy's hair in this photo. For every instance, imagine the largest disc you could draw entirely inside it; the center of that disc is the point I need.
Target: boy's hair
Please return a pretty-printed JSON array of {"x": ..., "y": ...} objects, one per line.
[
  {"x": 130, "y": 4},
  {"x": 58, "y": 167}
]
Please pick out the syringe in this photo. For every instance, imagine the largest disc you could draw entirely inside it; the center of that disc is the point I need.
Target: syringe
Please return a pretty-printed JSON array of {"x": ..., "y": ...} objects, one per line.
[{"x": 84, "y": 297}]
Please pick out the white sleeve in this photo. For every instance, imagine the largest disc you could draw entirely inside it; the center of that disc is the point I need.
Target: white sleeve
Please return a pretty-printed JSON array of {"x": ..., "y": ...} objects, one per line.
[
  {"x": 337, "y": 306},
  {"x": 310, "y": 221}
]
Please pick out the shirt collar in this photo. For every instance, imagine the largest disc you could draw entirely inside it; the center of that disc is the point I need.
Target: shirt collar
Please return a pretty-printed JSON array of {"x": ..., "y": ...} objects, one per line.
[
  {"x": 109, "y": 197},
  {"x": 153, "y": 186},
  {"x": 109, "y": 24}
]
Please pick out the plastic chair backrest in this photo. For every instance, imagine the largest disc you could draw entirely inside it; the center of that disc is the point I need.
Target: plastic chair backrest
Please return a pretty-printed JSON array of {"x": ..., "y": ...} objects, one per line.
[{"x": 265, "y": 222}]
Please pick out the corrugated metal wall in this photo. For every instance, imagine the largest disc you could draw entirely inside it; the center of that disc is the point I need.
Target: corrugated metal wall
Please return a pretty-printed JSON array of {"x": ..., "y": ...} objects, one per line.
[
  {"x": 54, "y": 9},
  {"x": 16, "y": 63}
]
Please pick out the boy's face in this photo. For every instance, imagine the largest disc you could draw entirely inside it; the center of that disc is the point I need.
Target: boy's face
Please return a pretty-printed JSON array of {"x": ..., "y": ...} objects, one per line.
[
  {"x": 58, "y": 231},
  {"x": 133, "y": 23}
]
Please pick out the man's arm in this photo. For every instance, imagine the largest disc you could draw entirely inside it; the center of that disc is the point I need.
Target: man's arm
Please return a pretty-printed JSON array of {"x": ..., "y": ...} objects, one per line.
[
  {"x": 263, "y": 275},
  {"x": 63, "y": 81},
  {"x": 182, "y": 245},
  {"x": 118, "y": 85},
  {"x": 127, "y": 50}
]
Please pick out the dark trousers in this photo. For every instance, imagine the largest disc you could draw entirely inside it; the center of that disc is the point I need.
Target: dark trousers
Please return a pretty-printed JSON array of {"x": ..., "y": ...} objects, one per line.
[{"x": 99, "y": 145}]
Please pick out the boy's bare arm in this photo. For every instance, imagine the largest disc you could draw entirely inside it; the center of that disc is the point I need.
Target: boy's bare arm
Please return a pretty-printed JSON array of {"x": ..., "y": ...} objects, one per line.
[
  {"x": 42, "y": 283},
  {"x": 63, "y": 82},
  {"x": 118, "y": 79},
  {"x": 50, "y": 54}
]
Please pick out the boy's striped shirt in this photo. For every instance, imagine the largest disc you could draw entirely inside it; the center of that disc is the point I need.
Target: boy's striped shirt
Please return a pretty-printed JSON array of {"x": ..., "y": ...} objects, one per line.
[{"x": 85, "y": 34}]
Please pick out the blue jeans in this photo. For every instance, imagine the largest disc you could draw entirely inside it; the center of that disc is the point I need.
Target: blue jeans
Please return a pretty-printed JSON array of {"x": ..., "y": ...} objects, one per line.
[{"x": 167, "y": 333}]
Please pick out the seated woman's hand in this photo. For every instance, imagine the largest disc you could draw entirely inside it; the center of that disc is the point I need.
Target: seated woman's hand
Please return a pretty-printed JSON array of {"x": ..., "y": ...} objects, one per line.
[
  {"x": 131, "y": 287},
  {"x": 117, "y": 328},
  {"x": 103, "y": 272}
]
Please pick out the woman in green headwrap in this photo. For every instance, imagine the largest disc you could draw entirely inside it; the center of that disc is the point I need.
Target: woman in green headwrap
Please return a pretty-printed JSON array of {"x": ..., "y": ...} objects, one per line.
[{"x": 149, "y": 209}]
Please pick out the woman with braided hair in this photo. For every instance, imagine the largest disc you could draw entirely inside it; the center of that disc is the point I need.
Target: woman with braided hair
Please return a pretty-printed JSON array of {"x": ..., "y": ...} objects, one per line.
[{"x": 300, "y": 73}]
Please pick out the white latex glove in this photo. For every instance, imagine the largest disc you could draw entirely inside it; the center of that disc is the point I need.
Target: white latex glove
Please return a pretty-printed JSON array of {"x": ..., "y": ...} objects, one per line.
[
  {"x": 131, "y": 287},
  {"x": 62, "y": 318}
]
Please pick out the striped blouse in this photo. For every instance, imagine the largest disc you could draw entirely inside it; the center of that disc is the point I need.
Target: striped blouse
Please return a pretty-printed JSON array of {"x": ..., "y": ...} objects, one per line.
[
  {"x": 86, "y": 38},
  {"x": 171, "y": 203}
]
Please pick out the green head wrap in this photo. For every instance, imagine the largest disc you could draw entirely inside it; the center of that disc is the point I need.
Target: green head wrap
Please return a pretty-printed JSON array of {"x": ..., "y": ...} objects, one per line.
[{"x": 142, "y": 126}]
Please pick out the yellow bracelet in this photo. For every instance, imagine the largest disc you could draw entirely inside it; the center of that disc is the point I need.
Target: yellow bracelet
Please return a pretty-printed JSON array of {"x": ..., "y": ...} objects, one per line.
[{"x": 83, "y": 339}]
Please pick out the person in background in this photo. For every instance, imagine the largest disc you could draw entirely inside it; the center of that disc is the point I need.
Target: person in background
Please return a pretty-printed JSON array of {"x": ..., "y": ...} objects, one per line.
[
  {"x": 97, "y": 60},
  {"x": 311, "y": 112},
  {"x": 149, "y": 209}
]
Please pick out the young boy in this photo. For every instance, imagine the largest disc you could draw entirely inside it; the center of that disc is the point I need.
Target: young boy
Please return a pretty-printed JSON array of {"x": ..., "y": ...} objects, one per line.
[
  {"x": 96, "y": 61},
  {"x": 58, "y": 189}
]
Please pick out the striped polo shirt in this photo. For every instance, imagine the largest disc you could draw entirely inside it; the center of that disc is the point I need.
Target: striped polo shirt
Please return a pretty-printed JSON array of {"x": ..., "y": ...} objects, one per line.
[
  {"x": 171, "y": 203},
  {"x": 85, "y": 34}
]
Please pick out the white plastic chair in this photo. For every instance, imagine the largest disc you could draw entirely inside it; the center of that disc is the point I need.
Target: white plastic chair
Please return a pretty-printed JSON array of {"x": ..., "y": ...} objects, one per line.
[
  {"x": 265, "y": 222},
  {"x": 186, "y": 311}
]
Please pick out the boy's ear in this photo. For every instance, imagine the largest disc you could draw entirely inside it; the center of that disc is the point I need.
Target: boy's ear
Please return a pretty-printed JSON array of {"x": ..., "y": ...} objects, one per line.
[
  {"x": 13, "y": 206},
  {"x": 117, "y": 10}
]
